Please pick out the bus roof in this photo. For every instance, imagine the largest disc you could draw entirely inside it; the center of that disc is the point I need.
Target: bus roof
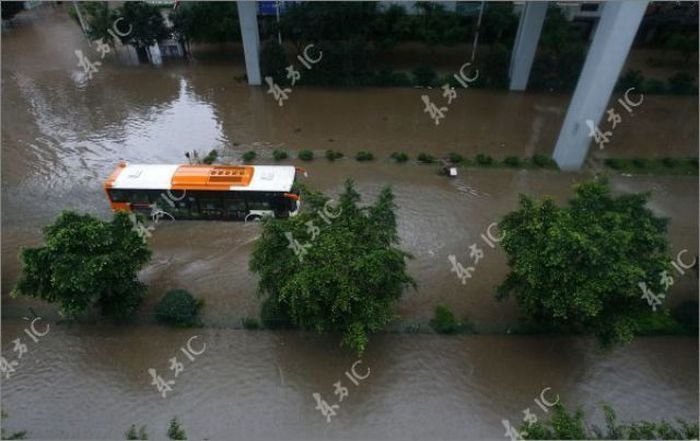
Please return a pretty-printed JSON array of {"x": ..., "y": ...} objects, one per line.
[{"x": 202, "y": 177}]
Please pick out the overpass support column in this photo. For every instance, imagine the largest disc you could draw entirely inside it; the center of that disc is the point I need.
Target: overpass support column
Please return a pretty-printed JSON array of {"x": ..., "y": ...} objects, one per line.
[
  {"x": 248, "y": 17},
  {"x": 612, "y": 42},
  {"x": 531, "y": 20}
]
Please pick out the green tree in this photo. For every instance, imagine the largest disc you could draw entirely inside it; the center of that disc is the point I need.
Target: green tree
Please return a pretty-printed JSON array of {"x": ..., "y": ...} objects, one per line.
[
  {"x": 348, "y": 277},
  {"x": 207, "y": 22},
  {"x": 8, "y": 10},
  {"x": 565, "y": 425},
  {"x": 99, "y": 20},
  {"x": 578, "y": 268},
  {"x": 147, "y": 24},
  {"x": 86, "y": 260}
]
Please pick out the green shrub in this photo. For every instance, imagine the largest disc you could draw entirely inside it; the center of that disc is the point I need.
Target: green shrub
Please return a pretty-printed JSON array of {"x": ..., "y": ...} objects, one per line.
[
  {"x": 484, "y": 160},
  {"x": 640, "y": 162},
  {"x": 512, "y": 161},
  {"x": 654, "y": 86},
  {"x": 248, "y": 156},
  {"x": 176, "y": 431},
  {"x": 444, "y": 321},
  {"x": 540, "y": 160},
  {"x": 455, "y": 158},
  {"x": 279, "y": 155},
  {"x": 332, "y": 155},
  {"x": 614, "y": 163},
  {"x": 364, "y": 156},
  {"x": 693, "y": 162},
  {"x": 424, "y": 75},
  {"x": 426, "y": 158},
  {"x": 250, "y": 323},
  {"x": 399, "y": 157},
  {"x": 306, "y": 155},
  {"x": 388, "y": 78},
  {"x": 211, "y": 157},
  {"x": 669, "y": 162},
  {"x": 686, "y": 314},
  {"x": 632, "y": 78},
  {"x": 178, "y": 308},
  {"x": 133, "y": 434},
  {"x": 681, "y": 83}
]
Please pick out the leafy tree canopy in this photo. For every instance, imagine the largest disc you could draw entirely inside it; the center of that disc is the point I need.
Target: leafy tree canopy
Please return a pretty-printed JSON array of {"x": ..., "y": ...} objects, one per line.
[
  {"x": 565, "y": 425},
  {"x": 207, "y": 22},
  {"x": 9, "y": 9},
  {"x": 148, "y": 25},
  {"x": 350, "y": 274},
  {"x": 86, "y": 260},
  {"x": 577, "y": 268}
]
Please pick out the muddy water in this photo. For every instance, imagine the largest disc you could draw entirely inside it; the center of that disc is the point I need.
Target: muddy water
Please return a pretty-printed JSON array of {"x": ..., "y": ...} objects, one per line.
[
  {"x": 92, "y": 382},
  {"x": 62, "y": 134}
]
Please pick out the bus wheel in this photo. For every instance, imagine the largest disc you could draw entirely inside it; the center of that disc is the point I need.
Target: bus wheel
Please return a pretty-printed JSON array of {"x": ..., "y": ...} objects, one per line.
[{"x": 253, "y": 218}]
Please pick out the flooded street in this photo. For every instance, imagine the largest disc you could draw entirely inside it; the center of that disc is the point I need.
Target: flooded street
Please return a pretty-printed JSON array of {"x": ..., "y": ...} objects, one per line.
[
  {"x": 62, "y": 135},
  {"x": 84, "y": 382}
]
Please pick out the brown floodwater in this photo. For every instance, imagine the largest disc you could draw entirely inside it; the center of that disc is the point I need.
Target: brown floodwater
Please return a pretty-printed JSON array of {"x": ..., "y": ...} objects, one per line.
[{"x": 62, "y": 134}]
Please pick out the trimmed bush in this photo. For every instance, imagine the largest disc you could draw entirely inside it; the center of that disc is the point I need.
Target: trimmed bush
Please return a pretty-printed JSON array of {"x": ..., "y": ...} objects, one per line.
[
  {"x": 444, "y": 321},
  {"x": 681, "y": 83},
  {"x": 364, "y": 156},
  {"x": 279, "y": 155},
  {"x": 248, "y": 156},
  {"x": 484, "y": 160},
  {"x": 424, "y": 75},
  {"x": 332, "y": 155},
  {"x": 455, "y": 158},
  {"x": 614, "y": 163},
  {"x": 211, "y": 157},
  {"x": 250, "y": 323},
  {"x": 176, "y": 431},
  {"x": 426, "y": 158},
  {"x": 670, "y": 162},
  {"x": 178, "y": 308},
  {"x": 512, "y": 161},
  {"x": 542, "y": 161},
  {"x": 640, "y": 162},
  {"x": 399, "y": 157},
  {"x": 306, "y": 155}
]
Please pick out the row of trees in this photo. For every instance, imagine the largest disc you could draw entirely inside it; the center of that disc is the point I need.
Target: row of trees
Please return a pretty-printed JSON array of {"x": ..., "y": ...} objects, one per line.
[
  {"x": 573, "y": 269},
  {"x": 138, "y": 23}
]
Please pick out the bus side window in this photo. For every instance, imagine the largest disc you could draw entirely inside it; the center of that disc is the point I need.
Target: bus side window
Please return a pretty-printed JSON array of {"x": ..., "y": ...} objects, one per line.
[
  {"x": 139, "y": 197},
  {"x": 119, "y": 195},
  {"x": 259, "y": 205}
]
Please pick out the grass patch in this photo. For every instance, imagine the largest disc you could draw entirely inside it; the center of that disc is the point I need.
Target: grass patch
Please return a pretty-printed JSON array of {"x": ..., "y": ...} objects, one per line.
[
  {"x": 666, "y": 165},
  {"x": 306, "y": 155},
  {"x": 399, "y": 157},
  {"x": 332, "y": 155},
  {"x": 279, "y": 155},
  {"x": 364, "y": 156}
]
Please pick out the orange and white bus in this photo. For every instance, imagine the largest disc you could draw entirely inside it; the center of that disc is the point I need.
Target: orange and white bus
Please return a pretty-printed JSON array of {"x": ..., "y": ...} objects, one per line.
[{"x": 204, "y": 191}]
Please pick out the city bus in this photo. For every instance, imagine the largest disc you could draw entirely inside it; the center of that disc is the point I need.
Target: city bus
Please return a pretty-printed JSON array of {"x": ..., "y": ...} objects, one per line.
[{"x": 221, "y": 192}]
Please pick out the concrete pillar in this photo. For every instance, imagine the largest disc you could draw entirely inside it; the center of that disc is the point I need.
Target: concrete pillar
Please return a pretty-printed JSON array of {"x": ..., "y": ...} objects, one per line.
[
  {"x": 531, "y": 20},
  {"x": 612, "y": 41},
  {"x": 248, "y": 16}
]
